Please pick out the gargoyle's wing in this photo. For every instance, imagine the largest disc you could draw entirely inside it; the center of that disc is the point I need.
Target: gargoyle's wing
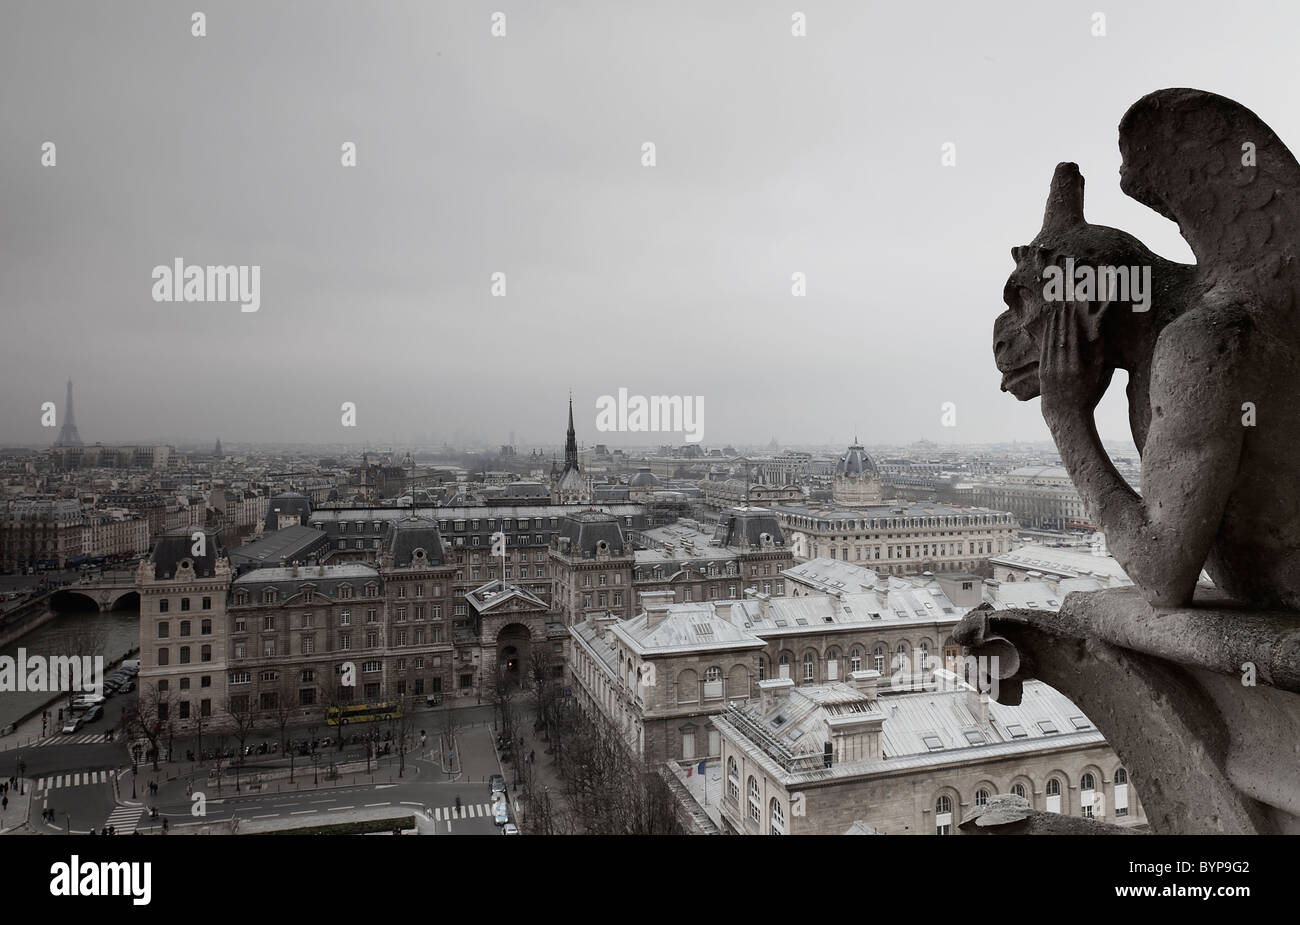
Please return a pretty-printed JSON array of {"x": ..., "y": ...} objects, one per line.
[{"x": 1213, "y": 166}]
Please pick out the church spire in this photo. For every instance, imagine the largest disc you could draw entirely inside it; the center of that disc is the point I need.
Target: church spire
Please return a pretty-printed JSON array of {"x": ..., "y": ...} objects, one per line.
[{"x": 571, "y": 442}]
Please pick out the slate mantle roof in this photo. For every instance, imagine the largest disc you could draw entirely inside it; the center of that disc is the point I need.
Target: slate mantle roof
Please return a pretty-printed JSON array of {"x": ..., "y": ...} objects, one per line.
[
  {"x": 177, "y": 545},
  {"x": 409, "y": 535}
]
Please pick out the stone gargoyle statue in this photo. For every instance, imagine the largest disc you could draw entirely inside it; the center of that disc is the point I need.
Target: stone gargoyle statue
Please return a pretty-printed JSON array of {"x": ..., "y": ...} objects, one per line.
[
  {"x": 1212, "y": 350},
  {"x": 1197, "y": 690}
]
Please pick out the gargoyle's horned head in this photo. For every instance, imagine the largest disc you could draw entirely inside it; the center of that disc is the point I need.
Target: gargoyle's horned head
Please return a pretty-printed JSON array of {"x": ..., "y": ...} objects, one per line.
[{"x": 1018, "y": 331}]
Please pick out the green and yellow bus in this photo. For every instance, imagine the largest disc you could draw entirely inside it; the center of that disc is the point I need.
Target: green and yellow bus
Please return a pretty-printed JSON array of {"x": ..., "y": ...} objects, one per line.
[{"x": 352, "y": 713}]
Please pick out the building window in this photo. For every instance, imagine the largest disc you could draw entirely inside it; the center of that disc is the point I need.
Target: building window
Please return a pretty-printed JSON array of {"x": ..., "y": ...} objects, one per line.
[
  {"x": 943, "y": 816},
  {"x": 1018, "y": 790},
  {"x": 163, "y": 657},
  {"x": 205, "y": 627},
  {"x": 778, "y": 817},
  {"x": 733, "y": 782},
  {"x": 163, "y": 630},
  {"x": 185, "y": 655},
  {"x": 164, "y": 606},
  {"x": 809, "y": 667},
  {"x": 185, "y": 603},
  {"x": 1121, "y": 792},
  {"x": 1053, "y": 796},
  {"x": 1087, "y": 786},
  {"x": 207, "y": 603},
  {"x": 981, "y": 798},
  {"x": 878, "y": 656},
  {"x": 754, "y": 800}
]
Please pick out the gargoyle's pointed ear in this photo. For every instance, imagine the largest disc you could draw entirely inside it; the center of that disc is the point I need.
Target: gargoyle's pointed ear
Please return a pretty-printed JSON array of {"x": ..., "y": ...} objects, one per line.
[{"x": 1065, "y": 201}]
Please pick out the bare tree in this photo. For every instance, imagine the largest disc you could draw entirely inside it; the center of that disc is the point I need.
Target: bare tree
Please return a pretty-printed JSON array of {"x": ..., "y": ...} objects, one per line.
[
  {"x": 81, "y": 640},
  {"x": 403, "y": 727},
  {"x": 610, "y": 789},
  {"x": 448, "y": 724},
  {"x": 147, "y": 718},
  {"x": 337, "y": 696},
  {"x": 242, "y": 719},
  {"x": 282, "y": 713},
  {"x": 502, "y": 693}
]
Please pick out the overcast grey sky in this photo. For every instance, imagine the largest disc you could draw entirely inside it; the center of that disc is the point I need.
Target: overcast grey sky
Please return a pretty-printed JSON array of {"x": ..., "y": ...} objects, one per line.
[{"x": 522, "y": 154}]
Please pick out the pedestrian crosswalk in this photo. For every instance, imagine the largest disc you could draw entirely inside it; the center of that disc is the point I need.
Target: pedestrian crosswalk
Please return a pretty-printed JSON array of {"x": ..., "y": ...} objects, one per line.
[
  {"x": 88, "y": 739},
  {"x": 80, "y": 779},
  {"x": 466, "y": 811},
  {"x": 125, "y": 819}
]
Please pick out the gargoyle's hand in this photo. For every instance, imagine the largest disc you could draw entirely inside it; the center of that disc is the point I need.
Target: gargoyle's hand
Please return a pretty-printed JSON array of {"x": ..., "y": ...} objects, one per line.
[{"x": 1072, "y": 378}]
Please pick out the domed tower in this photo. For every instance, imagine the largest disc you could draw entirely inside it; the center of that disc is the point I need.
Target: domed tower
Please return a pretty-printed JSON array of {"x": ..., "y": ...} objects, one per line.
[{"x": 857, "y": 480}]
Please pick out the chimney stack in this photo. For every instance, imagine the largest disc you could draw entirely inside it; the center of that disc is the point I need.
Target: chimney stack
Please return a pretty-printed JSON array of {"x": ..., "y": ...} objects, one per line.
[
  {"x": 773, "y": 692},
  {"x": 866, "y": 682},
  {"x": 656, "y": 604}
]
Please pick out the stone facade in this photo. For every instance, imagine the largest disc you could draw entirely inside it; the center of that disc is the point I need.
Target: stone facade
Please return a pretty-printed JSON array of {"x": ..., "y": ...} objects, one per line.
[
  {"x": 901, "y": 537},
  {"x": 817, "y": 760}
]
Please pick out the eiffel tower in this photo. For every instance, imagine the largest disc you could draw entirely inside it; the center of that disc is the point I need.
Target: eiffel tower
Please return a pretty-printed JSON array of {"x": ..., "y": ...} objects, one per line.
[{"x": 68, "y": 435}]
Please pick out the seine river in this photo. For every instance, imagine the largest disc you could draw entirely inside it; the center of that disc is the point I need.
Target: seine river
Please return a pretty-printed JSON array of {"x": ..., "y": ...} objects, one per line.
[{"x": 112, "y": 635}]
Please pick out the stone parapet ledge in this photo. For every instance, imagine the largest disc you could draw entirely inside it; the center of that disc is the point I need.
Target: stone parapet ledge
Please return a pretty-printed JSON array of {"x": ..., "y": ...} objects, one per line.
[
  {"x": 1200, "y": 703},
  {"x": 1008, "y": 814}
]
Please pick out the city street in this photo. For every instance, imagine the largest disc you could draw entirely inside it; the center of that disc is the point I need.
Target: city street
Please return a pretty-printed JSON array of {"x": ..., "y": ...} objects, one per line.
[{"x": 89, "y": 784}]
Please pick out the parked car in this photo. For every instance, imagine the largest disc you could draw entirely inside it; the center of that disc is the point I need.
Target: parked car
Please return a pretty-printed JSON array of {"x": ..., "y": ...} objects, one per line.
[
  {"x": 510, "y": 829},
  {"x": 497, "y": 783},
  {"x": 88, "y": 700},
  {"x": 72, "y": 725},
  {"x": 131, "y": 664},
  {"x": 91, "y": 715},
  {"x": 501, "y": 813},
  {"x": 126, "y": 686}
]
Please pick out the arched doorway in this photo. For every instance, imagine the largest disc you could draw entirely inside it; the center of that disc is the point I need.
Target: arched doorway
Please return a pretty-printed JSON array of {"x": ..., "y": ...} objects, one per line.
[{"x": 512, "y": 652}]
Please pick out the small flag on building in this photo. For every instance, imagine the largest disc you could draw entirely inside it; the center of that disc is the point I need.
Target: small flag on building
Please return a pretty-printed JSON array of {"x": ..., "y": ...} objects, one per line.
[{"x": 700, "y": 770}]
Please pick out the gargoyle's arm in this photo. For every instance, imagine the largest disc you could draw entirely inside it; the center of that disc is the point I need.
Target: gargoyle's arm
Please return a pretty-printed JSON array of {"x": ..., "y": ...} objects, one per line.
[{"x": 1189, "y": 462}]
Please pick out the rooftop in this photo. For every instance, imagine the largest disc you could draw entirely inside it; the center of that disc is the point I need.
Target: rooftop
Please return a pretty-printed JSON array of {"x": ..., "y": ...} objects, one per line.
[{"x": 928, "y": 728}]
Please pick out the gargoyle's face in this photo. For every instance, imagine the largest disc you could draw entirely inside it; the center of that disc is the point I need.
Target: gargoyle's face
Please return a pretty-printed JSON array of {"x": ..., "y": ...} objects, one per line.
[{"x": 1018, "y": 332}]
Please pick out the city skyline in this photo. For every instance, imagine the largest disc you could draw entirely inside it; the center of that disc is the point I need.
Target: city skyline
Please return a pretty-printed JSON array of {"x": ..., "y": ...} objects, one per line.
[{"x": 671, "y": 279}]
